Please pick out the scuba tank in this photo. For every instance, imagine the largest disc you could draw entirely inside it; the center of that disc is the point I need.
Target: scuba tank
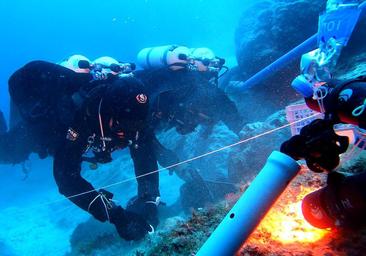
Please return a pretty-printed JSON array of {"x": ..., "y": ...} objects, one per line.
[
  {"x": 180, "y": 57},
  {"x": 77, "y": 63},
  {"x": 341, "y": 204},
  {"x": 172, "y": 56}
]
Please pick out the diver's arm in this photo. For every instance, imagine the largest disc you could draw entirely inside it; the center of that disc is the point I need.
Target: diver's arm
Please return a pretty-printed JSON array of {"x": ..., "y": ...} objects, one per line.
[
  {"x": 148, "y": 197},
  {"x": 67, "y": 167},
  {"x": 229, "y": 113},
  {"x": 66, "y": 171}
]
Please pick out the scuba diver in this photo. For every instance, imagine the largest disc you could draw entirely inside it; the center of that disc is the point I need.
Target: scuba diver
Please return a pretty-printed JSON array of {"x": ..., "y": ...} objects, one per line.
[
  {"x": 189, "y": 101},
  {"x": 342, "y": 203},
  {"x": 196, "y": 82},
  {"x": 183, "y": 85},
  {"x": 55, "y": 121}
]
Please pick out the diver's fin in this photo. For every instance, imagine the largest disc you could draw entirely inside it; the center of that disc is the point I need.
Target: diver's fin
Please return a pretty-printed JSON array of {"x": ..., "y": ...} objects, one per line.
[{"x": 3, "y": 126}]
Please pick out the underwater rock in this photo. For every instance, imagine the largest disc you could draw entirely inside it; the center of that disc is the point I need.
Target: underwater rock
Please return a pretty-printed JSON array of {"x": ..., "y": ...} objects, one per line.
[
  {"x": 196, "y": 143},
  {"x": 188, "y": 237},
  {"x": 195, "y": 195},
  {"x": 269, "y": 29},
  {"x": 212, "y": 185},
  {"x": 96, "y": 238},
  {"x": 246, "y": 160},
  {"x": 92, "y": 235},
  {"x": 266, "y": 31},
  {"x": 356, "y": 67}
]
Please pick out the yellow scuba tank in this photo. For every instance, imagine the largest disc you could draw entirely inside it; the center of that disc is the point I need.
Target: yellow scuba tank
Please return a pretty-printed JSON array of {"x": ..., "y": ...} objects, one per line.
[{"x": 172, "y": 56}]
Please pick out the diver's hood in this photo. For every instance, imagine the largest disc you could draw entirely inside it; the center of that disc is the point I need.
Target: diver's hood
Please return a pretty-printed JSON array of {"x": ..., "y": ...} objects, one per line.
[{"x": 124, "y": 100}]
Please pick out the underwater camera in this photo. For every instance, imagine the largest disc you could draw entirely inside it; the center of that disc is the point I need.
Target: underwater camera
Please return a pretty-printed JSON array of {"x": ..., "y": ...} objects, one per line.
[{"x": 341, "y": 204}]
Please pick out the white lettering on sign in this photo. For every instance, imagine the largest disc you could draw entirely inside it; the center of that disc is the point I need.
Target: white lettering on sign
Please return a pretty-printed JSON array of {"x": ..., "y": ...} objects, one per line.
[{"x": 333, "y": 25}]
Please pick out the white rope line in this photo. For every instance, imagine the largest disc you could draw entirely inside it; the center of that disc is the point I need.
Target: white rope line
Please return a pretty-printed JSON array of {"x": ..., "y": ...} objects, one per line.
[
  {"x": 219, "y": 182},
  {"x": 188, "y": 160}
]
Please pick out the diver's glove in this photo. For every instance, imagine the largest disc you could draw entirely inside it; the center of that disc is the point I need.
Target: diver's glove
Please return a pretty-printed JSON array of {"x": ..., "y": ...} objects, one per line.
[
  {"x": 129, "y": 225},
  {"x": 318, "y": 144},
  {"x": 146, "y": 207}
]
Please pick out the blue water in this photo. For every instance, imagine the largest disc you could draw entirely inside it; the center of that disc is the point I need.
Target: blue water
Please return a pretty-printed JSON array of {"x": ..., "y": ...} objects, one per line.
[{"x": 53, "y": 30}]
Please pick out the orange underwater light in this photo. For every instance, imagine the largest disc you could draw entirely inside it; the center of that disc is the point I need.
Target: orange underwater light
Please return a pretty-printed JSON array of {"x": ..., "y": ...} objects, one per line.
[{"x": 285, "y": 222}]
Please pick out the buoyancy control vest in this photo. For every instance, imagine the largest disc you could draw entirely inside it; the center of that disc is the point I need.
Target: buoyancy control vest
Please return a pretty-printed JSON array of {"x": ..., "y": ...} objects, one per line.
[
  {"x": 42, "y": 96},
  {"x": 43, "y": 90}
]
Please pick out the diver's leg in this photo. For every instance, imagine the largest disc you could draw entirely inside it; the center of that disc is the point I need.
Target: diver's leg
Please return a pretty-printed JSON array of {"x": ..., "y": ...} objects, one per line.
[{"x": 148, "y": 196}]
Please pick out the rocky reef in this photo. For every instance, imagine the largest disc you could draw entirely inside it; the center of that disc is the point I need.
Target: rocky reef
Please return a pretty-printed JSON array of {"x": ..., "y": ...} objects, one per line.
[
  {"x": 184, "y": 237},
  {"x": 187, "y": 237},
  {"x": 266, "y": 31}
]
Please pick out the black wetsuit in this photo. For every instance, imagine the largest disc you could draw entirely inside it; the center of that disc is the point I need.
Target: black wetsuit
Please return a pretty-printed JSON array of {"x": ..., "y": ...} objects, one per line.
[
  {"x": 185, "y": 99},
  {"x": 68, "y": 159},
  {"x": 52, "y": 123}
]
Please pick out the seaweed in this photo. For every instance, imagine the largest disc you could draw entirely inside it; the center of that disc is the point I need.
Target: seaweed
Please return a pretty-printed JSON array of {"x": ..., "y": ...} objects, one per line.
[{"x": 188, "y": 236}]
